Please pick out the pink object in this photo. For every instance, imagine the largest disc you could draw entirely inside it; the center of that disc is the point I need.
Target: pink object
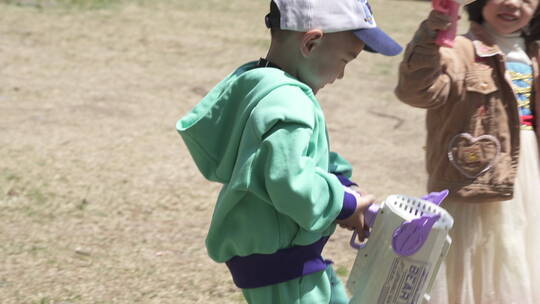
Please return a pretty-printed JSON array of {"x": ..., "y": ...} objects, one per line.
[{"x": 451, "y": 8}]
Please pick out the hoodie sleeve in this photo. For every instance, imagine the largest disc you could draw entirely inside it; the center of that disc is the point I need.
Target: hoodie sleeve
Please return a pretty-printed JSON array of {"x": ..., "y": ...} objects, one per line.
[
  {"x": 339, "y": 165},
  {"x": 285, "y": 164},
  {"x": 295, "y": 185}
]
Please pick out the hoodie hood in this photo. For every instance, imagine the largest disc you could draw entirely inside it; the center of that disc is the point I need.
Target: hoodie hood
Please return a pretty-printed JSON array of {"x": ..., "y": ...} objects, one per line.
[{"x": 213, "y": 129}]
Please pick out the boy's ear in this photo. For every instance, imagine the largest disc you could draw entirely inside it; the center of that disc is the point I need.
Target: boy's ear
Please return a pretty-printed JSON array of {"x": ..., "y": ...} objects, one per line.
[{"x": 310, "y": 40}]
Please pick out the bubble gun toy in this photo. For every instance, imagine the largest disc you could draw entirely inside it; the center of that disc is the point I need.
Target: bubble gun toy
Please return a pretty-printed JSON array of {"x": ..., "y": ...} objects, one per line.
[{"x": 407, "y": 243}]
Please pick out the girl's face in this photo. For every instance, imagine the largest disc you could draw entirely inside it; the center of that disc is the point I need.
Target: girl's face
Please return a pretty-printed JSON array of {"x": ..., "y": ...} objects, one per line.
[{"x": 509, "y": 16}]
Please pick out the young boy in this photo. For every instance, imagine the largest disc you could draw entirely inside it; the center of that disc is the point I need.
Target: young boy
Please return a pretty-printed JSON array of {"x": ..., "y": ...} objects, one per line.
[{"x": 262, "y": 134}]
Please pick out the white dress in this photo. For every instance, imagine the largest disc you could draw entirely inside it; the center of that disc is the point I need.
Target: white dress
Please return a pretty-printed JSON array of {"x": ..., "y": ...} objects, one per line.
[{"x": 495, "y": 252}]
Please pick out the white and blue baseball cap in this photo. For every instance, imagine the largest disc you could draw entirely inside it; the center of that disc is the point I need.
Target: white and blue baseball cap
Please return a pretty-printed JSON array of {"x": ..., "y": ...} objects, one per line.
[{"x": 334, "y": 16}]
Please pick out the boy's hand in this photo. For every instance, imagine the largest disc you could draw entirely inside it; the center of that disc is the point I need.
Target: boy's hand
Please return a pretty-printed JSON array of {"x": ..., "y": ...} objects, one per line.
[{"x": 356, "y": 220}]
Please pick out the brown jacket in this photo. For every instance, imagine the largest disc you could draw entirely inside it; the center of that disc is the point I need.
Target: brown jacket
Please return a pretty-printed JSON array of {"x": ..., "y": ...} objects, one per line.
[{"x": 472, "y": 118}]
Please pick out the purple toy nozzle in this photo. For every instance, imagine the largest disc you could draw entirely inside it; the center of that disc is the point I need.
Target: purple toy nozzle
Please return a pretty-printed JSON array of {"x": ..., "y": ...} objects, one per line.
[
  {"x": 436, "y": 197},
  {"x": 410, "y": 236}
]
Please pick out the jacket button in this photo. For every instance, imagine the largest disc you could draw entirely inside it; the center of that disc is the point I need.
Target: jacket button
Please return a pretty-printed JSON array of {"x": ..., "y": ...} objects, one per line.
[{"x": 483, "y": 85}]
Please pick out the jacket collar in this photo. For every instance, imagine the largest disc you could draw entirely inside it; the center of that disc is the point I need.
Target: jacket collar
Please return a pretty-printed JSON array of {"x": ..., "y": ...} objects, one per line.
[{"x": 484, "y": 44}]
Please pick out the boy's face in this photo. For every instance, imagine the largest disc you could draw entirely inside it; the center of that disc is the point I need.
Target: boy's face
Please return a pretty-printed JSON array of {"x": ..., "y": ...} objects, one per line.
[
  {"x": 327, "y": 60},
  {"x": 509, "y": 16}
]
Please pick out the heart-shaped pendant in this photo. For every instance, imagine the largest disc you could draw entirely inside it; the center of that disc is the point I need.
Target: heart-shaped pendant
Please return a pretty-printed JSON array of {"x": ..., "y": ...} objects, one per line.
[{"x": 473, "y": 156}]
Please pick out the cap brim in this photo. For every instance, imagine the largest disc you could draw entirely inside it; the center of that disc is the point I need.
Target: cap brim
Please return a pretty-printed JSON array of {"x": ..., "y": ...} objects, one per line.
[{"x": 378, "y": 41}]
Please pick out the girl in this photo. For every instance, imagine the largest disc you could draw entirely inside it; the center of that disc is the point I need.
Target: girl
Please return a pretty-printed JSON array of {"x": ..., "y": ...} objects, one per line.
[{"x": 482, "y": 145}]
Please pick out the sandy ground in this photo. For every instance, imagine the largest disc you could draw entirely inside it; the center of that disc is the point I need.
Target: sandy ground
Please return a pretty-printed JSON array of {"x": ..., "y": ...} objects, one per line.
[{"x": 100, "y": 201}]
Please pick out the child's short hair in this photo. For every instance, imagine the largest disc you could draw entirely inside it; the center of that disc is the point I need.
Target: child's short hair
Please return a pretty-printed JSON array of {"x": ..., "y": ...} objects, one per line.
[{"x": 272, "y": 19}]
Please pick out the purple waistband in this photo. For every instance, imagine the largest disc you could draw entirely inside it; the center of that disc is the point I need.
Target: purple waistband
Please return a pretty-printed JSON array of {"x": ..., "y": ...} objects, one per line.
[{"x": 258, "y": 270}]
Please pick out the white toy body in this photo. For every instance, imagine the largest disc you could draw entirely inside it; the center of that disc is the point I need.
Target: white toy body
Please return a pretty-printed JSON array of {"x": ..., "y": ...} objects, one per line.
[{"x": 383, "y": 275}]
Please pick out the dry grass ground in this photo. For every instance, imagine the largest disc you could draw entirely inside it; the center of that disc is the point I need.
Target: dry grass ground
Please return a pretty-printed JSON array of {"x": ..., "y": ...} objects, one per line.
[{"x": 99, "y": 199}]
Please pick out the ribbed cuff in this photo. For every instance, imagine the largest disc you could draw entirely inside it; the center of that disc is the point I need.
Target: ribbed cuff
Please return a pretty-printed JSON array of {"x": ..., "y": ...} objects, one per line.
[
  {"x": 349, "y": 206},
  {"x": 345, "y": 181}
]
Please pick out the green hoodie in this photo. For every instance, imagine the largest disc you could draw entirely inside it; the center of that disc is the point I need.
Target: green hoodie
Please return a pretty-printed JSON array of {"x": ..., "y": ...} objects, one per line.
[{"x": 262, "y": 134}]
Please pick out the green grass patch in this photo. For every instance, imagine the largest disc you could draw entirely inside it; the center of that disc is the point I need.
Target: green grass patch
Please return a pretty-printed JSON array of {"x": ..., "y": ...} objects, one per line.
[
  {"x": 9, "y": 175},
  {"x": 34, "y": 249},
  {"x": 37, "y": 196},
  {"x": 82, "y": 204},
  {"x": 342, "y": 271},
  {"x": 45, "y": 300},
  {"x": 12, "y": 177}
]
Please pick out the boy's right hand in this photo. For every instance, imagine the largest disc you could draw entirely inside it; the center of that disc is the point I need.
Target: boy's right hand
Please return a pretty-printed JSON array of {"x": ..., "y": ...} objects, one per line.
[{"x": 356, "y": 220}]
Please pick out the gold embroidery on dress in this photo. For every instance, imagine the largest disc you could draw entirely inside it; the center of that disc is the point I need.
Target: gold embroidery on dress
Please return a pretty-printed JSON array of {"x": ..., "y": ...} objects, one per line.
[{"x": 524, "y": 92}]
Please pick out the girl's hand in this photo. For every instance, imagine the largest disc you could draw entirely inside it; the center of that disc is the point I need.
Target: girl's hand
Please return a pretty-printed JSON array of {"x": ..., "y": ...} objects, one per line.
[{"x": 437, "y": 21}]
